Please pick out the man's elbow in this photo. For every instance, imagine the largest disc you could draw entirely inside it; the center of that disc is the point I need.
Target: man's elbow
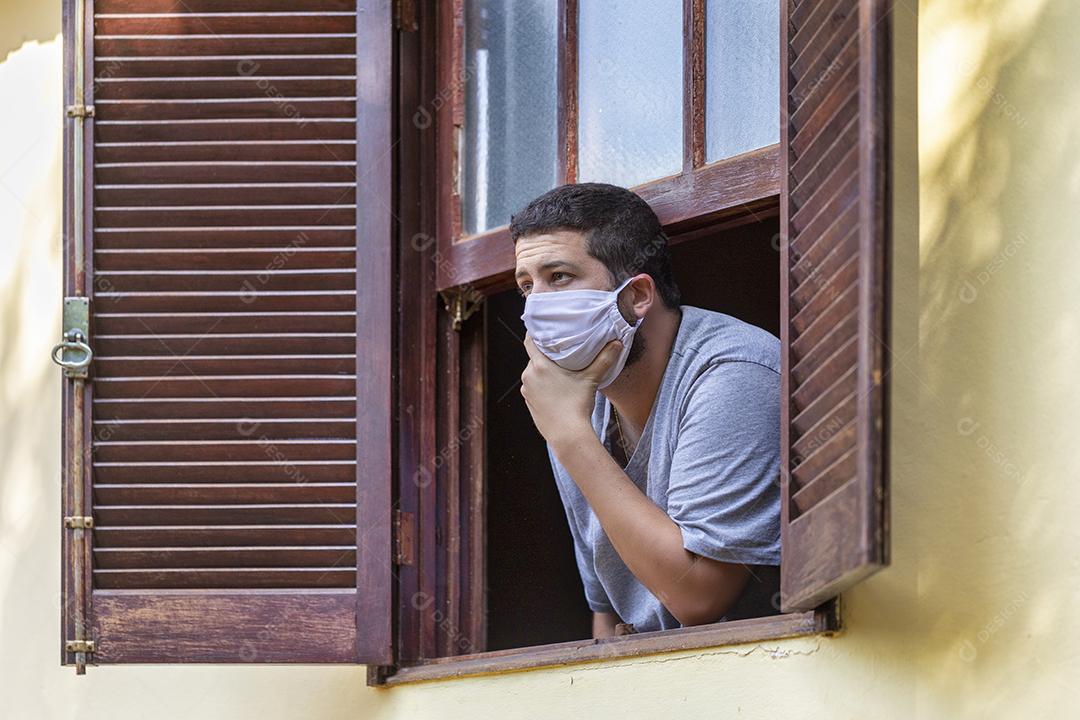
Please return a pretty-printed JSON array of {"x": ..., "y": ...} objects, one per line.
[
  {"x": 698, "y": 614},
  {"x": 697, "y": 608}
]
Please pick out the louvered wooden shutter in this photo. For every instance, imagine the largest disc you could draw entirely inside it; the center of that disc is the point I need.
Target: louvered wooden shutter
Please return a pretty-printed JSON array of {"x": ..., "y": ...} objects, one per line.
[
  {"x": 238, "y": 266},
  {"x": 834, "y": 205}
]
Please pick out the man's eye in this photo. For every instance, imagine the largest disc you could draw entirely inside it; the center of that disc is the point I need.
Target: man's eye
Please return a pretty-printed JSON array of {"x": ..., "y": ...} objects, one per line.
[
  {"x": 523, "y": 291},
  {"x": 555, "y": 276}
]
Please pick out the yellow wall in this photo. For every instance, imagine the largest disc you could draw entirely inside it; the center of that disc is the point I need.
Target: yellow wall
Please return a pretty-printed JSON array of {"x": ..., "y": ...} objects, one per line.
[{"x": 973, "y": 618}]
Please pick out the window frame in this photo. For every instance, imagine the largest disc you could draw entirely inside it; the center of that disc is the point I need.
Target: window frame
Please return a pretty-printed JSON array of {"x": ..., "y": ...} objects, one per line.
[
  {"x": 741, "y": 188},
  {"x": 448, "y": 570}
]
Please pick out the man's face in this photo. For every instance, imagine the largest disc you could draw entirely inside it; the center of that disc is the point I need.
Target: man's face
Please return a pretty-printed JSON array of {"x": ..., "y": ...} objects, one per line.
[{"x": 558, "y": 261}]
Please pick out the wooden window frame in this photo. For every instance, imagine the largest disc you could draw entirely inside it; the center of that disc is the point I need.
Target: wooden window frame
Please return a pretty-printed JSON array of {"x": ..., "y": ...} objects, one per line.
[
  {"x": 735, "y": 190},
  {"x": 448, "y": 573}
]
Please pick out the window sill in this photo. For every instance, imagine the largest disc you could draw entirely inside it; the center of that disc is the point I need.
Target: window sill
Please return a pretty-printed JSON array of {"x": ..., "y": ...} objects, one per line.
[{"x": 823, "y": 620}]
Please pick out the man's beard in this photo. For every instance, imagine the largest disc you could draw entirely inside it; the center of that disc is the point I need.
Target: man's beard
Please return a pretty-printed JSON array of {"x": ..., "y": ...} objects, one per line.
[{"x": 637, "y": 350}]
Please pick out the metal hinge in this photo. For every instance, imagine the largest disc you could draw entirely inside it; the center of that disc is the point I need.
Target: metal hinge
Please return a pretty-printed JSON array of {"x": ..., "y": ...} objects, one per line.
[
  {"x": 79, "y": 111},
  {"x": 78, "y": 522},
  {"x": 80, "y": 646},
  {"x": 405, "y": 15},
  {"x": 461, "y": 302},
  {"x": 403, "y": 537}
]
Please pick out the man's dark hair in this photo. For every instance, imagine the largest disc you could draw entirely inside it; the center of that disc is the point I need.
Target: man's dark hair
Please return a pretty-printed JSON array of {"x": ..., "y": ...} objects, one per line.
[{"x": 621, "y": 231}]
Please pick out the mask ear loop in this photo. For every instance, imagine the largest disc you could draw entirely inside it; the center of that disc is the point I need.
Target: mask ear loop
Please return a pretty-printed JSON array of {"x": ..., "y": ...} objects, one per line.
[{"x": 618, "y": 312}]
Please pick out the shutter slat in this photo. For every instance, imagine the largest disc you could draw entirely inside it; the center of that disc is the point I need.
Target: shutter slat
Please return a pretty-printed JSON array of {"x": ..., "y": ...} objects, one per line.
[
  {"x": 134, "y": 536},
  {"x": 821, "y": 261},
  {"x": 823, "y": 452},
  {"x": 805, "y": 417},
  {"x": 244, "y": 300},
  {"x": 227, "y": 129},
  {"x": 211, "y": 280},
  {"x": 295, "y": 257},
  {"x": 829, "y": 331},
  {"x": 308, "y": 577},
  {"x": 225, "y": 429},
  {"x": 825, "y": 483},
  {"x": 838, "y": 416},
  {"x": 222, "y": 493},
  {"x": 825, "y": 126},
  {"x": 276, "y": 513},
  {"x": 229, "y": 87},
  {"x": 211, "y": 6},
  {"x": 166, "y": 323},
  {"x": 833, "y": 231},
  {"x": 222, "y": 23},
  {"x": 265, "y": 470},
  {"x": 237, "y": 172},
  {"x": 174, "y": 45},
  {"x": 808, "y": 170},
  {"x": 219, "y": 450},
  {"x": 227, "y": 151},
  {"x": 230, "y": 193},
  {"x": 342, "y": 556},
  {"x": 841, "y": 50},
  {"x": 810, "y": 44},
  {"x": 203, "y": 66},
  {"x": 251, "y": 408},
  {"x": 211, "y": 215},
  {"x": 283, "y": 239},
  {"x": 226, "y": 344},
  {"x": 839, "y": 178},
  {"x": 823, "y": 300}
]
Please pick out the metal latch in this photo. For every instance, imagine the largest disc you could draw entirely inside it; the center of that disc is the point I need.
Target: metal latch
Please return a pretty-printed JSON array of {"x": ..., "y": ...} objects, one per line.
[
  {"x": 461, "y": 302},
  {"x": 72, "y": 353},
  {"x": 78, "y": 522}
]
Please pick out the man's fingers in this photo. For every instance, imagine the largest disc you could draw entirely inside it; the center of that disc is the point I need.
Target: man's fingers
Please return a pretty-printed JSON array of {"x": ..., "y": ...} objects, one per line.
[
  {"x": 530, "y": 347},
  {"x": 605, "y": 359}
]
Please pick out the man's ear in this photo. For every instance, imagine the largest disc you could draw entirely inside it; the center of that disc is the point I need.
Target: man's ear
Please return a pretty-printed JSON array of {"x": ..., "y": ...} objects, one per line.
[{"x": 638, "y": 297}]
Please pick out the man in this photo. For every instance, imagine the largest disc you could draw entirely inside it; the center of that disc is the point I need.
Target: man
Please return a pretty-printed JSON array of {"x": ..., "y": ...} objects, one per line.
[{"x": 666, "y": 452}]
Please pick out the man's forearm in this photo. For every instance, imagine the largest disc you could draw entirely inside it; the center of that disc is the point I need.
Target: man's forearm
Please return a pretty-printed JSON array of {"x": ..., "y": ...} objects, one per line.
[{"x": 646, "y": 538}]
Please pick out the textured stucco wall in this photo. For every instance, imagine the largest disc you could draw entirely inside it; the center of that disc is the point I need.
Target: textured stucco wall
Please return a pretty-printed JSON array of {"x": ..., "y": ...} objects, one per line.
[{"x": 975, "y": 616}]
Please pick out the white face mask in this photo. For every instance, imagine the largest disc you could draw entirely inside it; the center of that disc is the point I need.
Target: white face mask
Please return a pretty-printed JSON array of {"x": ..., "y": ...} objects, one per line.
[{"x": 572, "y": 326}]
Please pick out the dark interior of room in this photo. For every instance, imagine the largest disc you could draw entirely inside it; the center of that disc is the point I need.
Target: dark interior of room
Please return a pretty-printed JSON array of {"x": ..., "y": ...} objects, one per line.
[{"x": 534, "y": 592}]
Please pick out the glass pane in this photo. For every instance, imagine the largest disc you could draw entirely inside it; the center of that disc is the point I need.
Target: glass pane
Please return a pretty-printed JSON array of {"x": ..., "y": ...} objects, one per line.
[
  {"x": 742, "y": 76},
  {"x": 630, "y": 90},
  {"x": 510, "y": 108}
]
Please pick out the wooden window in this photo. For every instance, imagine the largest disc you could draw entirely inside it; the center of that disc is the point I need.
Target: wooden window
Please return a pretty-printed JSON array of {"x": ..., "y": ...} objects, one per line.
[
  {"x": 826, "y": 183},
  {"x": 276, "y": 386},
  {"x": 232, "y": 443}
]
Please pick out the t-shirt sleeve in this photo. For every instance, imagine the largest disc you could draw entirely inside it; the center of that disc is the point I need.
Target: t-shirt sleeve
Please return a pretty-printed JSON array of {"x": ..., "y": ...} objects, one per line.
[
  {"x": 595, "y": 595},
  {"x": 723, "y": 490}
]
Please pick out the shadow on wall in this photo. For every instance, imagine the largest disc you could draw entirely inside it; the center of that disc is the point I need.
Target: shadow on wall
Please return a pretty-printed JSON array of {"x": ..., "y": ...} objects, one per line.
[
  {"x": 998, "y": 352},
  {"x": 30, "y": 290},
  {"x": 26, "y": 21}
]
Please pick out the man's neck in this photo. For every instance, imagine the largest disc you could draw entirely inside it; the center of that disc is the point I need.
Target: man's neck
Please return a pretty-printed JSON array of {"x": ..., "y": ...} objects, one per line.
[{"x": 634, "y": 391}]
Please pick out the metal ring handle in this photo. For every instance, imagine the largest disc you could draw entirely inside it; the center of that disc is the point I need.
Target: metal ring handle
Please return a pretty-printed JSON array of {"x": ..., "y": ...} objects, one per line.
[{"x": 73, "y": 344}]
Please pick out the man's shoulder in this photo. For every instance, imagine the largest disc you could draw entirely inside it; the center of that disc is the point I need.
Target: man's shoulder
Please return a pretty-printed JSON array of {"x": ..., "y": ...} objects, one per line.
[{"x": 707, "y": 337}]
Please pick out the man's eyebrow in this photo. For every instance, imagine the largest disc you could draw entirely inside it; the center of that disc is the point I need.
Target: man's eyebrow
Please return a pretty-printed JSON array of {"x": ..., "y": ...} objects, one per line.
[{"x": 548, "y": 266}]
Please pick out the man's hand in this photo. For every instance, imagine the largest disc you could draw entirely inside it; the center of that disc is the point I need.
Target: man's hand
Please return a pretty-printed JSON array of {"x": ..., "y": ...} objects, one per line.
[{"x": 561, "y": 401}]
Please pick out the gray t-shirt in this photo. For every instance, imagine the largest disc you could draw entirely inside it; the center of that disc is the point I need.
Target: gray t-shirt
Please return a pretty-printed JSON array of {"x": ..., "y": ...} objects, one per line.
[{"x": 709, "y": 455}]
